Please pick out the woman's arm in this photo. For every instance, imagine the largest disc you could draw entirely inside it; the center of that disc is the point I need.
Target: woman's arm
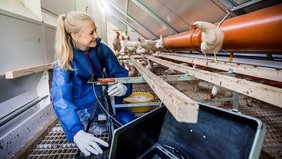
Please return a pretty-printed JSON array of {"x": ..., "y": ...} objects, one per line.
[
  {"x": 66, "y": 111},
  {"x": 113, "y": 67}
]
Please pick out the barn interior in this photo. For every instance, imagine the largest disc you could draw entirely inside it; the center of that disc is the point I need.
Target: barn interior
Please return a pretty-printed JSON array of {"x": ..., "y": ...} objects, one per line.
[{"x": 163, "y": 46}]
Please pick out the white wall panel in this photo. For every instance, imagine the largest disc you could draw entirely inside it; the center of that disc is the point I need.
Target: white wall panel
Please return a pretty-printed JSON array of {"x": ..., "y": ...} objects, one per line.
[
  {"x": 49, "y": 33},
  {"x": 99, "y": 16},
  {"x": 58, "y": 6},
  {"x": 21, "y": 44}
]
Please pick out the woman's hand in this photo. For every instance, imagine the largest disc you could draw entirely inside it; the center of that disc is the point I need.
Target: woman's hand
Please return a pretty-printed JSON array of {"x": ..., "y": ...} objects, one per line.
[
  {"x": 117, "y": 89},
  {"x": 88, "y": 143}
]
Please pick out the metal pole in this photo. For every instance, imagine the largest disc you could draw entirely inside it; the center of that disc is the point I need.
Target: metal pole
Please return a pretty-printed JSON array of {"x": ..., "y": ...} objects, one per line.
[{"x": 20, "y": 110}]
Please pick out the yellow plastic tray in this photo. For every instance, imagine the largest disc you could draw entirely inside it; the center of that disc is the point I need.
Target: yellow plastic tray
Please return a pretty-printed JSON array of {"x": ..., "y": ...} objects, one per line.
[{"x": 139, "y": 97}]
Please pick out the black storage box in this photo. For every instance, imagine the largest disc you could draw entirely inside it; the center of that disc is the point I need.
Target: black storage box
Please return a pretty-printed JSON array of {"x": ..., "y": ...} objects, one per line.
[{"x": 218, "y": 134}]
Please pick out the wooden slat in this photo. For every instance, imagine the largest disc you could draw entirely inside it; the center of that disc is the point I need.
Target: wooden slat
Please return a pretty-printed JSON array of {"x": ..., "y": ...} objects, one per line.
[
  {"x": 268, "y": 94},
  {"x": 181, "y": 107},
  {"x": 27, "y": 71},
  {"x": 261, "y": 72}
]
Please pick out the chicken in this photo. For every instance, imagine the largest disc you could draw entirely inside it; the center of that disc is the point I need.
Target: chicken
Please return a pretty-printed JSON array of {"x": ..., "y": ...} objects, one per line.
[
  {"x": 146, "y": 63},
  {"x": 212, "y": 37},
  {"x": 217, "y": 90},
  {"x": 131, "y": 46},
  {"x": 123, "y": 50},
  {"x": 132, "y": 72},
  {"x": 141, "y": 50},
  {"x": 117, "y": 44},
  {"x": 148, "y": 44},
  {"x": 160, "y": 44},
  {"x": 149, "y": 65}
]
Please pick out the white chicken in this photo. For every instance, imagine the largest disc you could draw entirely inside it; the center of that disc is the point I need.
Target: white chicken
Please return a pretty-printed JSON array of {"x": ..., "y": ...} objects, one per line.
[
  {"x": 217, "y": 90},
  {"x": 148, "y": 44},
  {"x": 149, "y": 65},
  {"x": 212, "y": 37},
  {"x": 160, "y": 44},
  {"x": 117, "y": 44},
  {"x": 131, "y": 46},
  {"x": 141, "y": 50}
]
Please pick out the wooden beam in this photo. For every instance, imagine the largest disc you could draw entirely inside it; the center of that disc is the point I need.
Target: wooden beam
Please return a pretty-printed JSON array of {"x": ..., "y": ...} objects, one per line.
[
  {"x": 261, "y": 72},
  {"x": 268, "y": 94},
  {"x": 27, "y": 71},
  {"x": 181, "y": 107}
]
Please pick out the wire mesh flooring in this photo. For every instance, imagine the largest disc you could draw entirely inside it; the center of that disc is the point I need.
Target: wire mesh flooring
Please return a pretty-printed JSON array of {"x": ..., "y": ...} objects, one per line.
[{"x": 55, "y": 145}]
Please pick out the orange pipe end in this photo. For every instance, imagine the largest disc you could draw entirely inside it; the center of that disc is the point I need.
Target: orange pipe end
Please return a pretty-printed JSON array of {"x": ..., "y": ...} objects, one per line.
[{"x": 189, "y": 40}]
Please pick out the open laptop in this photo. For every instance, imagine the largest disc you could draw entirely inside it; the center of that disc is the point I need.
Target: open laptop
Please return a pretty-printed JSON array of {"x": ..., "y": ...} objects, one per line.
[
  {"x": 133, "y": 139},
  {"x": 218, "y": 133}
]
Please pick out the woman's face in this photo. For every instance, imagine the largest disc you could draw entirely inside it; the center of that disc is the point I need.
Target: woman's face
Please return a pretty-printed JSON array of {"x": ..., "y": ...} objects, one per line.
[{"x": 86, "y": 38}]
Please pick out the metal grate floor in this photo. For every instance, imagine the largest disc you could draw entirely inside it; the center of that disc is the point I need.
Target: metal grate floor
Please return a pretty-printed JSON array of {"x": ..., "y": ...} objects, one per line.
[
  {"x": 55, "y": 145},
  {"x": 272, "y": 117}
]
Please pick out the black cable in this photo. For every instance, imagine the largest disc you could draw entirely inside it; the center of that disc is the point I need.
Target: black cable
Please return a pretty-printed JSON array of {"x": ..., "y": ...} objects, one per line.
[{"x": 101, "y": 106}]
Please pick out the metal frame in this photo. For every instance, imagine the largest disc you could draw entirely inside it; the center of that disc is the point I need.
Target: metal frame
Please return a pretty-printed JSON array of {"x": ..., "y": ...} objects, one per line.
[
  {"x": 153, "y": 15},
  {"x": 170, "y": 78},
  {"x": 129, "y": 17},
  {"x": 244, "y": 5}
]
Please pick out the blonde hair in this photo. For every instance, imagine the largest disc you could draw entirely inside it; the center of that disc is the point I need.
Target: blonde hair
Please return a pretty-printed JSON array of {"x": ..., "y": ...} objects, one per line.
[{"x": 67, "y": 24}]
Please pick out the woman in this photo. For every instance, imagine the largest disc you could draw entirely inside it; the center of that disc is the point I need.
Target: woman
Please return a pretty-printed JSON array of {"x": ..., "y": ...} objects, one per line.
[{"x": 79, "y": 56}]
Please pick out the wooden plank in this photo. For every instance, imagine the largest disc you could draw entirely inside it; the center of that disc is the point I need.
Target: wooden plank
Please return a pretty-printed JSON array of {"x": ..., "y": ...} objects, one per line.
[
  {"x": 27, "y": 71},
  {"x": 268, "y": 94},
  {"x": 181, "y": 107},
  {"x": 261, "y": 72}
]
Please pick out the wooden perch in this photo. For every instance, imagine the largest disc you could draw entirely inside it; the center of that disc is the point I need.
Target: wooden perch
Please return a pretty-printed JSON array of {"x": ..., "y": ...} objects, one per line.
[
  {"x": 181, "y": 107},
  {"x": 27, "y": 71},
  {"x": 268, "y": 94},
  {"x": 261, "y": 72}
]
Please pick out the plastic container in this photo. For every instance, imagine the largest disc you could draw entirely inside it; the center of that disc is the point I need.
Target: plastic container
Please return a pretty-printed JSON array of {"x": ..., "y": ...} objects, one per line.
[
  {"x": 100, "y": 126},
  {"x": 139, "y": 97}
]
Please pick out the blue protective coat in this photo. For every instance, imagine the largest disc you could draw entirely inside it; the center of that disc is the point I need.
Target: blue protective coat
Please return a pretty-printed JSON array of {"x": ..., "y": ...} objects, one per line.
[{"x": 71, "y": 93}]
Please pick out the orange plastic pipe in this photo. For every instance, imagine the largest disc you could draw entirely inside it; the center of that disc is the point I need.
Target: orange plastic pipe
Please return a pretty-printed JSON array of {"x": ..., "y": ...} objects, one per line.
[{"x": 259, "y": 31}]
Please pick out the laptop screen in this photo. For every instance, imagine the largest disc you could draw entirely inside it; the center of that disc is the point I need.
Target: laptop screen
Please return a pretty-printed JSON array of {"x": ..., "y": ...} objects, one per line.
[{"x": 133, "y": 139}]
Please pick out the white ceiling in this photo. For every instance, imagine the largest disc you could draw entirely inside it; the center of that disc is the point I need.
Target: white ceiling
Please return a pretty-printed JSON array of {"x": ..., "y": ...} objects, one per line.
[{"x": 152, "y": 18}]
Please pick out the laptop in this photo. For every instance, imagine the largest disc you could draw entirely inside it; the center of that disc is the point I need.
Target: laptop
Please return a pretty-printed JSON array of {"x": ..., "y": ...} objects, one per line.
[
  {"x": 133, "y": 139},
  {"x": 218, "y": 133}
]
